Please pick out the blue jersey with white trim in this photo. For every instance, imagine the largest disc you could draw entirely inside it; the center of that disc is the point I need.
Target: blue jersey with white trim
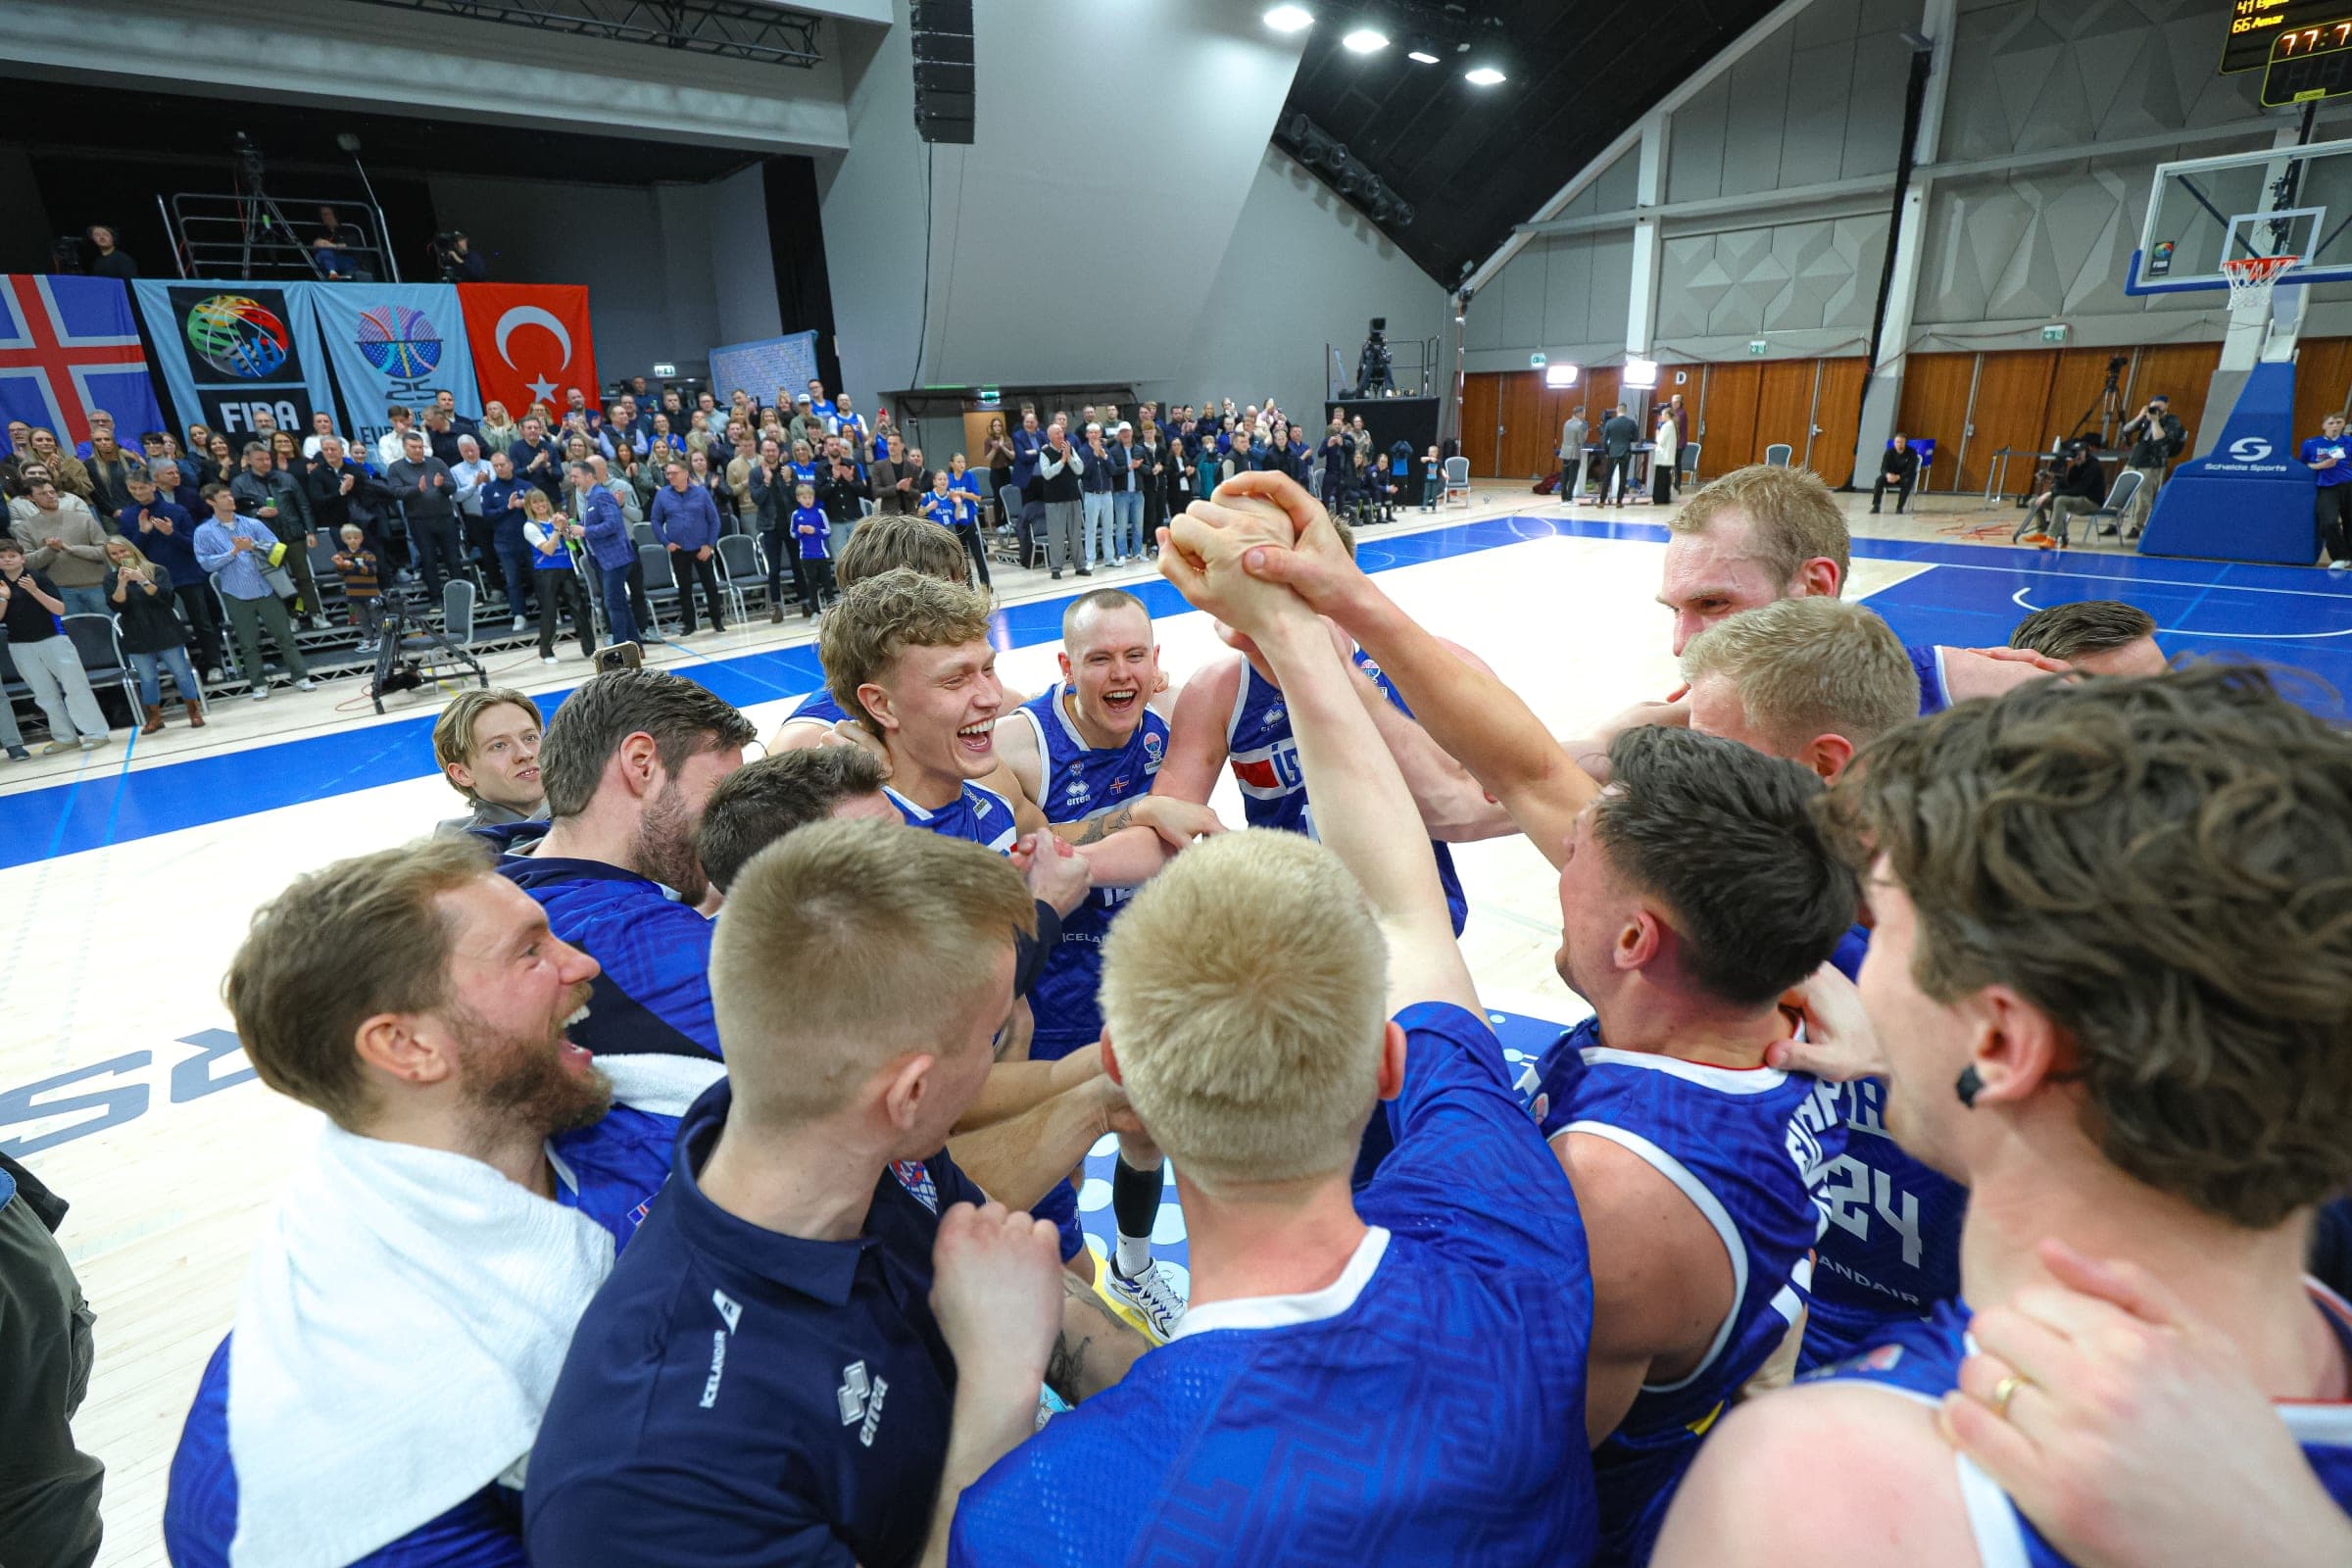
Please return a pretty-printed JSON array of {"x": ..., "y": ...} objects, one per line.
[
  {"x": 819, "y": 705},
  {"x": 1921, "y": 1360},
  {"x": 1748, "y": 1148},
  {"x": 1934, "y": 696},
  {"x": 1409, "y": 1413},
  {"x": 1264, "y": 759},
  {"x": 1077, "y": 783},
  {"x": 977, "y": 816},
  {"x": 1891, "y": 1247}
]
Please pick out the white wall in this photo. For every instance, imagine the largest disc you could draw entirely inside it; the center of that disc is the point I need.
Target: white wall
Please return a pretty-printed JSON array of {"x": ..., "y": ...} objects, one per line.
[
  {"x": 743, "y": 269},
  {"x": 1302, "y": 268}
]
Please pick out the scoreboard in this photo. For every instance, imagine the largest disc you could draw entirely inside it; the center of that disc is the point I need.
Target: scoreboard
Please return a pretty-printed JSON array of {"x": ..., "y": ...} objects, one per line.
[
  {"x": 2309, "y": 63},
  {"x": 2254, "y": 24}
]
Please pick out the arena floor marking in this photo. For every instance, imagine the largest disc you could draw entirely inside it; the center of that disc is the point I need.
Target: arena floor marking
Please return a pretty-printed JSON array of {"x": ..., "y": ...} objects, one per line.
[{"x": 122, "y": 1083}]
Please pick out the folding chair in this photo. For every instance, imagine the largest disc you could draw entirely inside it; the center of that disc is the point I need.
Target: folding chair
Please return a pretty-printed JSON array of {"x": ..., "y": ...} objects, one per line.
[
  {"x": 1457, "y": 481},
  {"x": 641, "y": 534},
  {"x": 1777, "y": 454},
  {"x": 660, "y": 581},
  {"x": 2109, "y": 519},
  {"x": 1686, "y": 462},
  {"x": 100, "y": 650},
  {"x": 740, "y": 572}
]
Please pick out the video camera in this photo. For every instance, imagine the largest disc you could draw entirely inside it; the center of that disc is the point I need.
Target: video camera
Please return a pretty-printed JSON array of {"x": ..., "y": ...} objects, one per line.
[{"x": 449, "y": 262}]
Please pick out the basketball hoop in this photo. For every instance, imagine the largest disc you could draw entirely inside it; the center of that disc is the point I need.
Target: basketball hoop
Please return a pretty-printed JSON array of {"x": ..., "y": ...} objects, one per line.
[{"x": 2251, "y": 279}]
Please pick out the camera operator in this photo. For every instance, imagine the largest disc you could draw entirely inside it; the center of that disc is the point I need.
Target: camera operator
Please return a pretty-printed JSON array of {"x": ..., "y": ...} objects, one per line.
[
  {"x": 2157, "y": 438},
  {"x": 454, "y": 259},
  {"x": 2077, "y": 484}
]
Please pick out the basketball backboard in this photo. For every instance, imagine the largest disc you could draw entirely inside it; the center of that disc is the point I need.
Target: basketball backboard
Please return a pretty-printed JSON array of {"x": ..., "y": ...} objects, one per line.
[{"x": 2292, "y": 201}]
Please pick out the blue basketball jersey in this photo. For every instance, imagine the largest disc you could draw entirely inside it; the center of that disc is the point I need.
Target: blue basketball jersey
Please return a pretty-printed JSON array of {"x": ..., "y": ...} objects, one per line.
[
  {"x": 1891, "y": 1247},
  {"x": 1422, "y": 1408},
  {"x": 1264, "y": 759},
  {"x": 1921, "y": 1360},
  {"x": 1748, "y": 1148},
  {"x": 980, "y": 816},
  {"x": 820, "y": 706},
  {"x": 1934, "y": 696},
  {"x": 1078, "y": 784}
]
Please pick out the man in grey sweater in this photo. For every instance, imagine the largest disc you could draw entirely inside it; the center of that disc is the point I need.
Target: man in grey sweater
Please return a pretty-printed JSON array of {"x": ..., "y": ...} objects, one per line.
[
  {"x": 1572, "y": 456},
  {"x": 63, "y": 542},
  {"x": 1062, "y": 469}
]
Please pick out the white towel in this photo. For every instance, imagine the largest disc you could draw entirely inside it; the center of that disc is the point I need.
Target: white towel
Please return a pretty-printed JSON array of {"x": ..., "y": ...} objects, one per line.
[
  {"x": 666, "y": 1084},
  {"x": 397, "y": 1338}
]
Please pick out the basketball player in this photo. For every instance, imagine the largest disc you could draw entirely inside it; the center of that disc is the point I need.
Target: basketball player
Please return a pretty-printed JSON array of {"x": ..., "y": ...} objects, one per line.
[
  {"x": 407, "y": 1306},
  {"x": 1231, "y": 713},
  {"x": 2112, "y": 960},
  {"x": 1763, "y": 533},
  {"x": 1693, "y": 893},
  {"x": 2095, "y": 637},
  {"x": 487, "y": 743},
  {"x": 1086, "y": 751},
  {"x": 1367, "y": 1378}
]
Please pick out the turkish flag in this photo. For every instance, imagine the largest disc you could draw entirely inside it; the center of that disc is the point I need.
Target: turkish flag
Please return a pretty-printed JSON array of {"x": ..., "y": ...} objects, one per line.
[{"x": 530, "y": 343}]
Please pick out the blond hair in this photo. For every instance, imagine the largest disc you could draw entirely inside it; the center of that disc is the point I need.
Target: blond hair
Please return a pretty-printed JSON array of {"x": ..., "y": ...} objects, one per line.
[
  {"x": 844, "y": 945},
  {"x": 1810, "y": 666},
  {"x": 453, "y": 731},
  {"x": 1244, "y": 989},
  {"x": 1791, "y": 515},
  {"x": 877, "y": 619}
]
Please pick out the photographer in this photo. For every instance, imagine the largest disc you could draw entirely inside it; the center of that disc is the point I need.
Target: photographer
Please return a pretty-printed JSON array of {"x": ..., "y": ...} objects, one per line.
[
  {"x": 2324, "y": 455},
  {"x": 453, "y": 261},
  {"x": 2156, "y": 438},
  {"x": 2074, "y": 489}
]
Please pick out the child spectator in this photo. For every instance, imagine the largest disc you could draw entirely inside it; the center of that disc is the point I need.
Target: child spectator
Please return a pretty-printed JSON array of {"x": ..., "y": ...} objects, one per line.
[
  {"x": 356, "y": 565},
  {"x": 1433, "y": 479},
  {"x": 816, "y": 533}
]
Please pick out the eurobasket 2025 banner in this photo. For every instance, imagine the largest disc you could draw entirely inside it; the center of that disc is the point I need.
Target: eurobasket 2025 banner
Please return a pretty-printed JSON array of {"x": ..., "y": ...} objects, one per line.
[
  {"x": 70, "y": 346},
  {"x": 394, "y": 345},
  {"x": 229, "y": 351}
]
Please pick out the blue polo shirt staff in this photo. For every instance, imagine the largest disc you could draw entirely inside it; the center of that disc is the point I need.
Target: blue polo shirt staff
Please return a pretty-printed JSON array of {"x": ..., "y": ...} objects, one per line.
[{"x": 2324, "y": 454}]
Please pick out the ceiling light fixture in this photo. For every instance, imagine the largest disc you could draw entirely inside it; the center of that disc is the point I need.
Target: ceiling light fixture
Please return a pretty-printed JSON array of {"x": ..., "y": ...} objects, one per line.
[
  {"x": 1366, "y": 41},
  {"x": 1421, "y": 57},
  {"x": 1482, "y": 76},
  {"x": 1290, "y": 18}
]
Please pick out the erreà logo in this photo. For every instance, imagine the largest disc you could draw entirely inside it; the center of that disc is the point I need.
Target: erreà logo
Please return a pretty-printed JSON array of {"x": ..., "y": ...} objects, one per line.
[{"x": 2249, "y": 448}]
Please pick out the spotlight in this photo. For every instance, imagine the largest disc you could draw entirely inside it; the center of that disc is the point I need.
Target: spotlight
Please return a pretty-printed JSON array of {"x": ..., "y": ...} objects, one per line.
[
  {"x": 1290, "y": 18},
  {"x": 1366, "y": 41},
  {"x": 1641, "y": 373},
  {"x": 1481, "y": 77},
  {"x": 1560, "y": 375},
  {"x": 1421, "y": 57}
]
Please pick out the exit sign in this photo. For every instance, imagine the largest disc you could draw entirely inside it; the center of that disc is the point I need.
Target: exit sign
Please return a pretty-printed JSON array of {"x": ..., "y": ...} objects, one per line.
[
  {"x": 990, "y": 397},
  {"x": 2054, "y": 334},
  {"x": 1756, "y": 345},
  {"x": 666, "y": 369},
  {"x": 1534, "y": 361}
]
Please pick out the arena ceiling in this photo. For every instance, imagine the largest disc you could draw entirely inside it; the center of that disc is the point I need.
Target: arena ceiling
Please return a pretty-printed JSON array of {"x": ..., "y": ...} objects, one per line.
[{"x": 1471, "y": 161}]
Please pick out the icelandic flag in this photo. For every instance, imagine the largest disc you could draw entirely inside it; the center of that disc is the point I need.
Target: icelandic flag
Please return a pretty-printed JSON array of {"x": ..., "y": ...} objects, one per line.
[{"x": 69, "y": 345}]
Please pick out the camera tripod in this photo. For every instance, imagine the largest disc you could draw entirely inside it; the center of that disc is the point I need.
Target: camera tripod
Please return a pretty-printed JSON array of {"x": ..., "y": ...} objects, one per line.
[
  {"x": 2108, "y": 407},
  {"x": 258, "y": 212}
]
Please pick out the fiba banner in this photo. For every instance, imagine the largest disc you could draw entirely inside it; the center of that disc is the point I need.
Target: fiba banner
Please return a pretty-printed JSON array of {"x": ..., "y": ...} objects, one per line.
[
  {"x": 760, "y": 368},
  {"x": 531, "y": 343},
  {"x": 231, "y": 351},
  {"x": 69, "y": 346},
  {"x": 393, "y": 344}
]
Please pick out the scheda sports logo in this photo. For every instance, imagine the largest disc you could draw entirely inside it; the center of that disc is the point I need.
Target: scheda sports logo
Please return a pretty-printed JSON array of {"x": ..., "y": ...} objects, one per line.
[{"x": 2249, "y": 448}]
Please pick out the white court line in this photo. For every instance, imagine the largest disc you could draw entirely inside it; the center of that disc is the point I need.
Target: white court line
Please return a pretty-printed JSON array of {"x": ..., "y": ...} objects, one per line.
[
  {"x": 2019, "y": 599},
  {"x": 2152, "y": 582}
]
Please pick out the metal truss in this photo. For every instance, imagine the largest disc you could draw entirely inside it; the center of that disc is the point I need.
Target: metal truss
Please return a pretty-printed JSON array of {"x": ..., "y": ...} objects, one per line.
[{"x": 733, "y": 30}]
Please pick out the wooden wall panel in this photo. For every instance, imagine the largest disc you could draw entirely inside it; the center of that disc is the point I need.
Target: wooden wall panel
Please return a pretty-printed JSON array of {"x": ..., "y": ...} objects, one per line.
[
  {"x": 1528, "y": 437},
  {"x": 2012, "y": 390},
  {"x": 2180, "y": 372},
  {"x": 2077, "y": 387},
  {"x": 1935, "y": 403},
  {"x": 1785, "y": 406},
  {"x": 1727, "y": 418},
  {"x": 1837, "y": 411},
  {"x": 2322, "y": 381},
  {"x": 1480, "y": 398}
]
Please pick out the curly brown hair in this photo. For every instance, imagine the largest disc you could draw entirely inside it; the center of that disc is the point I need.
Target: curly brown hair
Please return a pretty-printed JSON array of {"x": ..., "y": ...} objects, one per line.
[
  {"x": 879, "y": 618},
  {"x": 2164, "y": 869}
]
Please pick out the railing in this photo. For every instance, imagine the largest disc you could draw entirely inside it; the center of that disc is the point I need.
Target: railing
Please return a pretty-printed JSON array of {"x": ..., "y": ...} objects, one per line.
[{"x": 242, "y": 235}]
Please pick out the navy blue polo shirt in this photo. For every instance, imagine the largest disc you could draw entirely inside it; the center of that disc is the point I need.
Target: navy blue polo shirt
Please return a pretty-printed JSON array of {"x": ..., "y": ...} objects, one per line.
[{"x": 734, "y": 1396}]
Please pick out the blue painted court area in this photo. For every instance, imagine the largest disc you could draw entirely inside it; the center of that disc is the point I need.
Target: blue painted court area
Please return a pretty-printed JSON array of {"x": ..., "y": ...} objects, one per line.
[{"x": 1970, "y": 596}]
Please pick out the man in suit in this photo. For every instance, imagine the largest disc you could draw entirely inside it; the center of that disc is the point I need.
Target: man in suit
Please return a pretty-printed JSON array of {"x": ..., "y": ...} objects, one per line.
[{"x": 1617, "y": 438}]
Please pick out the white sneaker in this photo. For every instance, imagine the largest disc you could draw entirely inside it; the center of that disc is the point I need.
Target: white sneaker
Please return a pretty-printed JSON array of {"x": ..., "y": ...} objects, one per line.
[
  {"x": 306, "y": 684},
  {"x": 90, "y": 742},
  {"x": 547, "y": 658},
  {"x": 2339, "y": 565},
  {"x": 1148, "y": 1295},
  {"x": 517, "y": 626},
  {"x": 261, "y": 694}
]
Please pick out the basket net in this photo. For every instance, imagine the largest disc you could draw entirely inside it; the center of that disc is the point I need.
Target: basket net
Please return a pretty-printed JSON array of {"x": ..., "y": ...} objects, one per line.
[{"x": 2252, "y": 278}]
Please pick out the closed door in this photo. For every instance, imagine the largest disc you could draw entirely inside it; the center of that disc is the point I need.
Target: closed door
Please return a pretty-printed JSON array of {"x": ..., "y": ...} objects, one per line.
[
  {"x": 1935, "y": 406},
  {"x": 1837, "y": 417},
  {"x": 2322, "y": 381},
  {"x": 2184, "y": 372},
  {"x": 2013, "y": 391},
  {"x": 1482, "y": 396},
  {"x": 1727, "y": 418},
  {"x": 1784, "y": 407}
]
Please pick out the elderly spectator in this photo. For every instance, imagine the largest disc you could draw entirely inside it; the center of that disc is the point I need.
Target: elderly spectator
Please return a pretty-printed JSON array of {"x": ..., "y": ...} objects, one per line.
[
  {"x": 64, "y": 467},
  {"x": 486, "y": 742},
  {"x": 1061, "y": 473},
  {"x": 60, "y": 537},
  {"x": 538, "y": 461},
  {"x": 685, "y": 520},
  {"x": 340, "y": 489},
  {"x": 501, "y": 498},
  {"x": 429, "y": 497},
  {"x": 165, "y": 533},
  {"x": 45, "y": 657},
  {"x": 1095, "y": 484},
  {"x": 140, "y": 593},
  {"x": 441, "y": 435},
  {"x": 1128, "y": 481},
  {"x": 236, "y": 550}
]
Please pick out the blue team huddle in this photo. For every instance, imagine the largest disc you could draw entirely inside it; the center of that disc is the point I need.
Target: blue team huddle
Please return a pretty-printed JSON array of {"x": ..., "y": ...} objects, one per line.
[{"x": 1964, "y": 1099}]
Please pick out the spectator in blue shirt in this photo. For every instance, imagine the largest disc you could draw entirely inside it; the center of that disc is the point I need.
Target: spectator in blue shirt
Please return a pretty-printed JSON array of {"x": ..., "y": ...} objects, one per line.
[
  {"x": 611, "y": 551},
  {"x": 500, "y": 498},
  {"x": 813, "y": 533},
  {"x": 685, "y": 520},
  {"x": 233, "y": 548},
  {"x": 2325, "y": 456},
  {"x": 537, "y": 459}
]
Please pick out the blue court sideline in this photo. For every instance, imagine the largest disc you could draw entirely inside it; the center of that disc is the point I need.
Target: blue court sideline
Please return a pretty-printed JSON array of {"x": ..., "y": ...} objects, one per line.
[{"x": 1970, "y": 597}]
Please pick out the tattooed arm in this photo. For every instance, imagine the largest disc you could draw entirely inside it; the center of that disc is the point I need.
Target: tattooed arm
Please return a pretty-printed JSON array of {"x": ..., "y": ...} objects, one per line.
[{"x": 1095, "y": 1347}]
